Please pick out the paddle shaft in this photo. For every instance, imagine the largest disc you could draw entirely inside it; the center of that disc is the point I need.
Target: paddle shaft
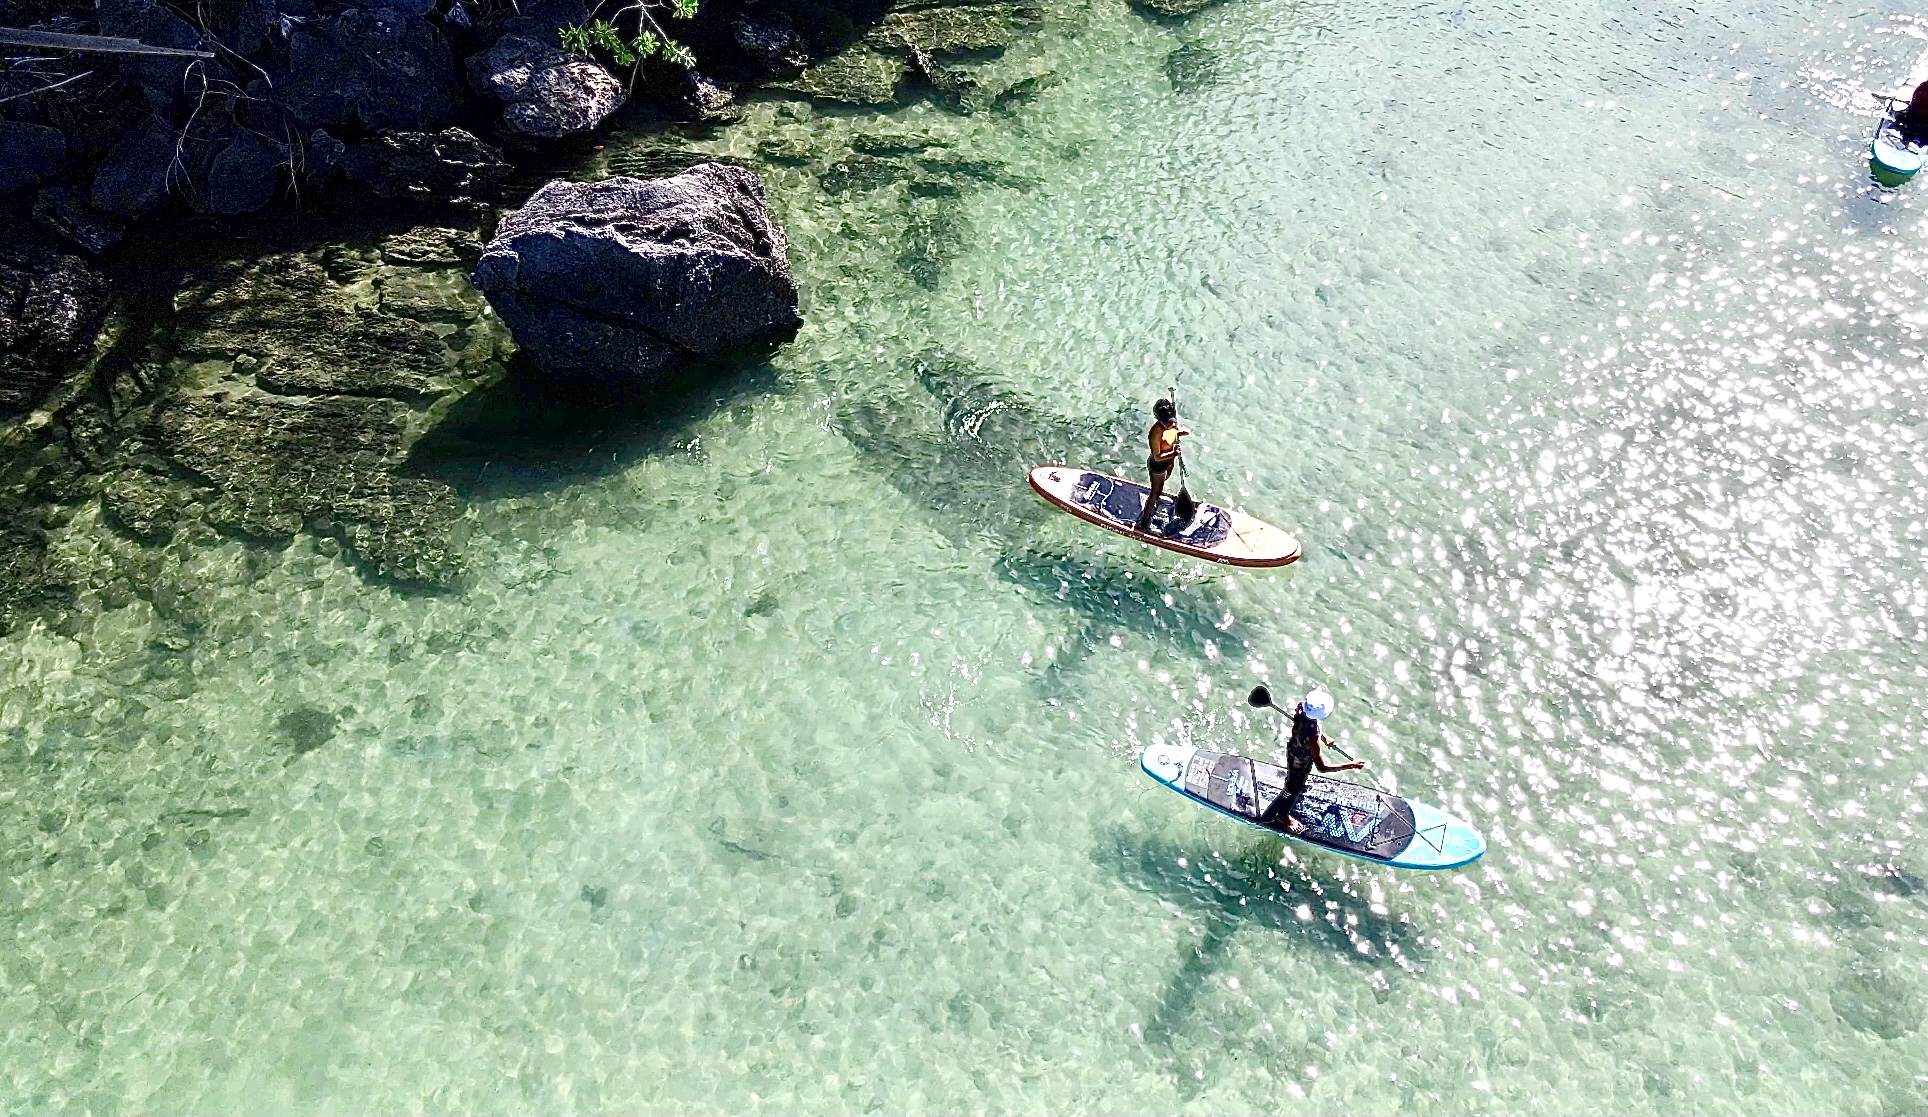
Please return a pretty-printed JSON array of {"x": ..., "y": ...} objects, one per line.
[
  {"x": 1184, "y": 482},
  {"x": 1367, "y": 772}
]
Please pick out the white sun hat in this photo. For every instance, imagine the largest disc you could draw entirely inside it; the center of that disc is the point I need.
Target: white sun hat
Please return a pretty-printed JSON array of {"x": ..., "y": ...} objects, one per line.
[{"x": 1318, "y": 705}]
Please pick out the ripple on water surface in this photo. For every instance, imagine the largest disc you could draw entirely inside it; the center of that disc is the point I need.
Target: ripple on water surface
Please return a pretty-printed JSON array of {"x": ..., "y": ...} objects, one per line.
[{"x": 782, "y": 754}]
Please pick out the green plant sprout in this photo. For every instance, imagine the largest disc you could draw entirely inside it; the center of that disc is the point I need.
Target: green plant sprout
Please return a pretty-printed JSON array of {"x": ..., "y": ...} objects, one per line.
[{"x": 602, "y": 36}]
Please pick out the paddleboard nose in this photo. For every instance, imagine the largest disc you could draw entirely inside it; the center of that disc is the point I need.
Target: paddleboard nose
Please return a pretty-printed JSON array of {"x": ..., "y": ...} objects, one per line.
[
  {"x": 1166, "y": 763},
  {"x": 1440, "y": 841}
]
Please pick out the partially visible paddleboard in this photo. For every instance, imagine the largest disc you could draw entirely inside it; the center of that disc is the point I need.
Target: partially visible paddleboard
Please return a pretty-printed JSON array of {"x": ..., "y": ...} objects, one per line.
[
  {"x": 1346, "y": 818},
  {"x": 1894, "y": 160},
  {"x": 1214, "y": 533}
]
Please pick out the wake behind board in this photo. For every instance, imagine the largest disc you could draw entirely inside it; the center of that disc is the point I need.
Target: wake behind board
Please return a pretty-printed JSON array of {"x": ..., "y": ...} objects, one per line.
[
  {"x": 1214, "y": 533},
  {"x": 1346, "y": 818}
]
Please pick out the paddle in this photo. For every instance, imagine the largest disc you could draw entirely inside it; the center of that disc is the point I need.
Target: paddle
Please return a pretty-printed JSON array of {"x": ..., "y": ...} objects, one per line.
[
  {"x": 1261, "y": 698},
  {"x": 1182, "y": 504}
]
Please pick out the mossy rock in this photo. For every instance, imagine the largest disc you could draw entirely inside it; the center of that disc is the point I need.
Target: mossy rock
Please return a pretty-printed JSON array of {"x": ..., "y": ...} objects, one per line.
[
  {"x": 1172, "y": 9},
  {"x": 863, "y": 172},
  {"x": 787, "y": 151},
  {"x": 144, "y": 505},
  {"x": 861, "y": 75},
  {"x": 307, "y": 381},
  {"x": 956, "y": 28}
]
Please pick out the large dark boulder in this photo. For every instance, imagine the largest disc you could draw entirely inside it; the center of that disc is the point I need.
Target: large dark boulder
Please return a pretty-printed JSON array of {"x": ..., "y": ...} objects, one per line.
[
  {"x": 621, "y": 280},
  {"x": 379, "y": 68},
  {"x": 244, "y": 177},
  {"x": 243, "y": 26},
  {"x": 29, "y": 155},
  {"x": 450, "y": 167},
  {"x": 548, "y": 93},
  {"x": 157, "y": 25},
  {"x": 136, "y": 173},
  {"x": 772, "y": 39}
]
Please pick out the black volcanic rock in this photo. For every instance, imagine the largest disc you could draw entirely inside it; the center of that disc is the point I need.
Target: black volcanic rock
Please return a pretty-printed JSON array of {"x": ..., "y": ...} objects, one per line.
[
  {"x": 244, "y": 177},
  {"x": 29, "y": 155},
  {"x": 51, "y": 306},
  {"x": 380, "y": 68},
  {"x": 622, "y": 279},
  {"x": 548, "y": 93},
  {"x": 446, "y": 167}
]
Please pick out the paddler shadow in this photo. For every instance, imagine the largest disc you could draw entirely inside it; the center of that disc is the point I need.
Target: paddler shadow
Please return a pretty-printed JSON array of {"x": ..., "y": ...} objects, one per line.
[
  {"x": 1112, "y": 596},
  {"x": 531, "y": 433},
  {"x": 950, "y": 439},
  {"x": 1243, "y": 890}
]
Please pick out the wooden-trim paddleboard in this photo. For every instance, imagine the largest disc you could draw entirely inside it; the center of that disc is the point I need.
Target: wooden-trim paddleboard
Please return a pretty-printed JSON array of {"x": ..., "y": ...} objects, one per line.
[{"x": 1213, "y": 533}]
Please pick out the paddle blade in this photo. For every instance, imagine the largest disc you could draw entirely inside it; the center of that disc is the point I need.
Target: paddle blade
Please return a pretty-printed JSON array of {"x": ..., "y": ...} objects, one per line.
[
  {"x": 1184, "y": 506},
  {"x": 1260, "y": 697}
]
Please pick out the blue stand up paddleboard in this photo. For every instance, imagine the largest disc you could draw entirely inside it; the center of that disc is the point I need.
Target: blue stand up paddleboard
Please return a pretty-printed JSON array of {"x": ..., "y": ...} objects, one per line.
[{"x": 1343, "y": 817}]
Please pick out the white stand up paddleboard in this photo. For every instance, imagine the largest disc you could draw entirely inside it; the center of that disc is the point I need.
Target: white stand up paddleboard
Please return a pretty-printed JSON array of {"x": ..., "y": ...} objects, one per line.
[{"x": 1113, "y": 503}]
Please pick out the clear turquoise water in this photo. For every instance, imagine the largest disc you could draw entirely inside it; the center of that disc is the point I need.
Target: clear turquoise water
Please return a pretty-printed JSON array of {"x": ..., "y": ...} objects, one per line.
[{"x": 782, "y": 756}]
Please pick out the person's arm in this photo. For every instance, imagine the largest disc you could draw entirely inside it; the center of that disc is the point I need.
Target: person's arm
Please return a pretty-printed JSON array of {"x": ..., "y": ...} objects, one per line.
[{"x": 1318, "y": 757}]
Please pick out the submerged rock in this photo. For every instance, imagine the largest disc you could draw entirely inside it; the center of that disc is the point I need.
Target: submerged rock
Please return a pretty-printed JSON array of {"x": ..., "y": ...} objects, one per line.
[
  {"x": 861, "y": 75},
  {"x": 310, "y": 386},
  {"x": 622, "y": 279},
  {"x": 332, "y": 463},
  {"x": 1191, "y": 68},
  {"x": 950, "y": 28},
  {"x": 450, "y": 167},
  {"x": 548, "y": 93},
  {"x": 29, "y": 581},
  {"x": 1172, "y": 9}
]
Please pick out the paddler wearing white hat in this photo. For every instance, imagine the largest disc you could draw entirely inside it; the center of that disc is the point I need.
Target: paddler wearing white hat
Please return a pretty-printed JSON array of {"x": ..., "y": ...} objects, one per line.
[{"x": 1303, "y": 751}]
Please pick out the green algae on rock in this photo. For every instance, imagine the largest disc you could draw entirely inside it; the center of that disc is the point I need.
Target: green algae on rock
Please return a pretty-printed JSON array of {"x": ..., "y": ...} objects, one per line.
[
  {"x": 302, "y": 386},
  {"x": 861, "y": 75},
  {"x": 1172, "y": 9}
]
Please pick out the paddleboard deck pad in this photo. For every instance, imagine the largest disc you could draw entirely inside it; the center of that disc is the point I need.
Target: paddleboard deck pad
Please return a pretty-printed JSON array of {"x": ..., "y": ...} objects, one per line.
[
  {"x": 1218, "y": 534},
  {"x": 1347, "y": 818}
]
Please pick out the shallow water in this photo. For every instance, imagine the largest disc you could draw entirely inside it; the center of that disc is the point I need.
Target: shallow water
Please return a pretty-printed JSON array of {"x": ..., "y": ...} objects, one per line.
[{"x": 782, "y": 755}]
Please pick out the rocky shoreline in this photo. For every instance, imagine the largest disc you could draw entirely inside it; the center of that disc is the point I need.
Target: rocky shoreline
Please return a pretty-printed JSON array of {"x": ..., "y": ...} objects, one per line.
[{"x": 261, "y": 389}]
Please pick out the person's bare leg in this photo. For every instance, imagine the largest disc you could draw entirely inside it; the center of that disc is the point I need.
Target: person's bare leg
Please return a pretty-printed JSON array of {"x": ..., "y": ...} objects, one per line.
[{"x": 1151, "y": 502}]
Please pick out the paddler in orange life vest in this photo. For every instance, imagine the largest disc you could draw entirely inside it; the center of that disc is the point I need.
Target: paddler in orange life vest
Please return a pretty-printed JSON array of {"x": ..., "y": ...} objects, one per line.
[{"x": 1164, "y": 455}]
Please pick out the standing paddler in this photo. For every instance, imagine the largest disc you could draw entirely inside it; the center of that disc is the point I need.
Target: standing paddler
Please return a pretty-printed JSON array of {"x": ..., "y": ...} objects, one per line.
[
  {"x": 1164, "y": 436},
  {"x": 1303, "y": 751}
]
